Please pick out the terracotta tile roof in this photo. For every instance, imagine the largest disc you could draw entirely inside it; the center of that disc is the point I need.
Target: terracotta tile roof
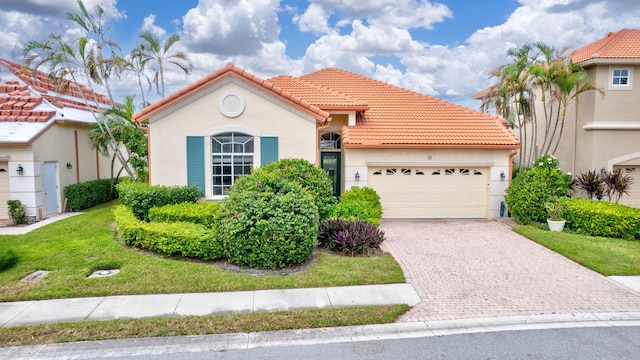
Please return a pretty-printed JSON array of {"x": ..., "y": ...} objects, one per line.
[
  {"x": 28, "y": 96},
  {"x": 230, "y": 71},
  {"x": 624, "y": 44},
  {"x": 320, "y": 96},
  {"x": 401, "y": 118}
]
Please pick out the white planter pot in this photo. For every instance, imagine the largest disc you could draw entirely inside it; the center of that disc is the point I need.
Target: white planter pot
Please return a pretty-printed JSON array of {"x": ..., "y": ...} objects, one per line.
[{"x": 556, "y": 225}]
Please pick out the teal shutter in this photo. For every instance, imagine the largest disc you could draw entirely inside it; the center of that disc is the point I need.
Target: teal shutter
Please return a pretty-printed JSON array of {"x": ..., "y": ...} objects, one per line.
[
  {"x": 195, "y": 162},
  {"x": 268, "y": 149}
]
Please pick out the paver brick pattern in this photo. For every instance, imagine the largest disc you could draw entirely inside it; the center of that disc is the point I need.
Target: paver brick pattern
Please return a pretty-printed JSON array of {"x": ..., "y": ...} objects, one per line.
[{"x": 481, "y": 268}]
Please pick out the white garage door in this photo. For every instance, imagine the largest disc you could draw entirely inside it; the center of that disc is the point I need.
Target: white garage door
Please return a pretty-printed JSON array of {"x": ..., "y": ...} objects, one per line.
[
  {"x": 4, "y": 190},
  {"x": 633, "y": 199},
  {"x": 431, "y": 193}
]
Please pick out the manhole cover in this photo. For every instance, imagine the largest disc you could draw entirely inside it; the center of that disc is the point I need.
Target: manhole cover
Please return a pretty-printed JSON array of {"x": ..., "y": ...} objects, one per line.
[
  {"x": 103, "y": 273},
  {"x": 35, "y": 276}
]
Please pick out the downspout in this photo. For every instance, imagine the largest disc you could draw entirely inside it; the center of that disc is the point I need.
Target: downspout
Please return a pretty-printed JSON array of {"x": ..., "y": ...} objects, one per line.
[
  {"x": 75, "y": 133},
  {"x": 322, "y": 127}
]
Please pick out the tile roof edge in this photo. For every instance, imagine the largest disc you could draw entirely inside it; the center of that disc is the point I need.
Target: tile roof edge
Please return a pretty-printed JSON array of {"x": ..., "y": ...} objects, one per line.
[
  {"x": 228, "y": 70},
  {"x": 379, "y": 145}
]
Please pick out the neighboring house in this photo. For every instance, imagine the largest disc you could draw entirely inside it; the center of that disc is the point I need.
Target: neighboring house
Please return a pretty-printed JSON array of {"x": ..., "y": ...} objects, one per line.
[
  {"x": 44, "y": 143},
  {"x": 604, "y": 132},
  {"x": 427, "y": 158}
]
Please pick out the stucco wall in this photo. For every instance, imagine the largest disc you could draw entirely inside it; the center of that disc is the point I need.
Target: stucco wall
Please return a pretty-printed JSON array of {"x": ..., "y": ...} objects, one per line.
[
  {"x": 56, "y": 145},
  {"x": 263, "y": 115}
]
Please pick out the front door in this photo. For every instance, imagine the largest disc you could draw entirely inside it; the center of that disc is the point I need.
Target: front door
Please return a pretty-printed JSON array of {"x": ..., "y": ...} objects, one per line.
[
  {"x": 51, "y": 187},
  {"x": 330, "y": 163}
]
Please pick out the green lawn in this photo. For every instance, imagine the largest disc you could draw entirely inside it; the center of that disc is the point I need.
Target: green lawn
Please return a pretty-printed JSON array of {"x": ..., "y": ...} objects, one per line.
[
  {"x": 74, "y": 247},
  {"x": 607, "y": 256}
]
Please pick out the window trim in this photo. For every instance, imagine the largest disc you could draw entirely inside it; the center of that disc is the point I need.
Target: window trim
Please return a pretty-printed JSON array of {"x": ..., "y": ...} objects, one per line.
[
  {"x": 628, "y": 85},
  {"x": 232, "y": 164}
]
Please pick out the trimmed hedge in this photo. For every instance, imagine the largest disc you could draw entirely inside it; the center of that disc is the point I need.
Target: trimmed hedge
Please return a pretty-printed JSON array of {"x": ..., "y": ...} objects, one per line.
[
  {"x": 268, "y": 222},
  {"x": 359, "y": 203},
  {"x": 206, "y": 213},
  {"x": 311, "y": 178},
  {"x": 183, "y": 238},
  {"x": 601, "y": 218},
  {"x": 350, "y": 237},
  {"x": 141, "y": 197},
  {"x": 90, "y": 193}
]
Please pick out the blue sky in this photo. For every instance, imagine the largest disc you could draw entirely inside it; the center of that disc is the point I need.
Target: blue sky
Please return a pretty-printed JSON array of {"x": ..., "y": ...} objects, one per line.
[{"x": 441, "y": 48}]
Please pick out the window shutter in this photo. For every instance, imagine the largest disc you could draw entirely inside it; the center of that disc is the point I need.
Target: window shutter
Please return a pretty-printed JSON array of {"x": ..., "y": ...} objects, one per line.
[
  {"x": 268, "y": 149},
  {"x": 195, "y": 162}
]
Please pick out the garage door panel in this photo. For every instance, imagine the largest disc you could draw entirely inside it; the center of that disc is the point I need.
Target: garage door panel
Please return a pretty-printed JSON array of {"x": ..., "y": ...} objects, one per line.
[{"x": 431, "y": 192}]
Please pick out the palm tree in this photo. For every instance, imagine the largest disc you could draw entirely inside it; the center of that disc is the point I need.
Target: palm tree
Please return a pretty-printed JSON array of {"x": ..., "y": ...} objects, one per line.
[
  {"x": 124, "y": 133},
  {"x": 548, "y": 74},
  {"x": 154, "y": 52},
  {"x": 84, "y": 61}
]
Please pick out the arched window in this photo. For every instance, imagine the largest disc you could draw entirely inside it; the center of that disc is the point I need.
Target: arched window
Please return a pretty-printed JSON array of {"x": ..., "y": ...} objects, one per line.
[
  {"x": 330, "y": 141},
  {"x": 231, "y": 157}
]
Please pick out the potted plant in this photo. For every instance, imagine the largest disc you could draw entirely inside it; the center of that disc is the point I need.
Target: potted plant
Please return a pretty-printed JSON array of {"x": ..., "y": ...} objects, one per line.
[{"x": 555, "y": 220}]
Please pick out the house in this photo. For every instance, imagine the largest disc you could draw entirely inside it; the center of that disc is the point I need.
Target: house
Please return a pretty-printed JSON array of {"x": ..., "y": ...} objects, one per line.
[
  {"x": 44, "y": 143},
  {"x": 427, "y": 158},
  {"x": 604, "y": 131}
]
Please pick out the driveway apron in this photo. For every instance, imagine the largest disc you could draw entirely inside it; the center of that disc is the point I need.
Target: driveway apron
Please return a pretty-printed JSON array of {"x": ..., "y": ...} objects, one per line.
[{"x": 481, "y": 268}]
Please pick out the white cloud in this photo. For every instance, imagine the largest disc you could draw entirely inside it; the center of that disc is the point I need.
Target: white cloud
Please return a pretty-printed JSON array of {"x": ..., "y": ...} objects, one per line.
[
  {"x": 148, "y": 24},
  {"x": 231, "y": 28},
  {"x": 315, "y": 19}
]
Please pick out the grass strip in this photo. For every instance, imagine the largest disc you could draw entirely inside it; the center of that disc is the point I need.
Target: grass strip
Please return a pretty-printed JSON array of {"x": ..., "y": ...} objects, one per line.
[
  {"x": 608, "y": 256},
  {"x": 199, "y": 325}
]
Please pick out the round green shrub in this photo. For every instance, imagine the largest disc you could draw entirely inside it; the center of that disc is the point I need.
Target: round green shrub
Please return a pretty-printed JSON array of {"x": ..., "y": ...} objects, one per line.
[
  {"x": 268, "y": 222},
  {"x": 359, "y": 203},
  {"x": 311, "y": 178},
  {"x": 534, "y": 187},
  {"x": 8, "y": 259}
]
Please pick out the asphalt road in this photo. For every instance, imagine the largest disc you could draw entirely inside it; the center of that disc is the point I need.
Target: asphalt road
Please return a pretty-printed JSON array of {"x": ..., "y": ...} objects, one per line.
[{"x": 583, "y": 343}]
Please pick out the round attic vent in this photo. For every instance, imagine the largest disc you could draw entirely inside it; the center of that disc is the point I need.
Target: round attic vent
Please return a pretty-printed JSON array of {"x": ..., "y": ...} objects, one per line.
[{"x": 231, "y": 104}]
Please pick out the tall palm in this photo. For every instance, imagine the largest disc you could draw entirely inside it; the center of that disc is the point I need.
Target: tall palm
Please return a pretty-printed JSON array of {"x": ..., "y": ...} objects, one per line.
[
  {"x": 160, "y": 54},
  {"x": 80, "y": 59}
]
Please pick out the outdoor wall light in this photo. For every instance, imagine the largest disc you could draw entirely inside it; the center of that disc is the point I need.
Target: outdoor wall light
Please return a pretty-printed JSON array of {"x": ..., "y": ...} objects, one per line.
[
  {"x": 502, "y": 176},
  {"x": 20, "y": 169},
  {"x": 603, "y": 172},
  {"x": 69, "y": 166},
  {"x": 357, "y": 176}
]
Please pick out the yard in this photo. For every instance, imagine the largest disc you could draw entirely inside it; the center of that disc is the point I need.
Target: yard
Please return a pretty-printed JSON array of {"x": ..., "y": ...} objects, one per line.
[{"x": 73, "y": 248}]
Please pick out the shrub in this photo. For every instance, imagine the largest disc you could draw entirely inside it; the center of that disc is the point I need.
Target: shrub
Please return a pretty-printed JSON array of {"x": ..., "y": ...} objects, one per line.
[
  {"x": 206, "y": 213},
  {"x": 350, "y": 237},
  {"x": 601, "y": 218},
  {"x": 8, "y": 259},
  {"x": 17, "y": 211},
  {"x": 591, "y": 183},
  {"x": 311, "y": 178},
  {"x": 183, "y": 238},
  {"x": 359, "y": 203},
  {"x": 141, "y": 197},
  {"x": 89, "y": 193},
  {"x": 268, "y": 222},
  {"x": 534, "y": 187}
]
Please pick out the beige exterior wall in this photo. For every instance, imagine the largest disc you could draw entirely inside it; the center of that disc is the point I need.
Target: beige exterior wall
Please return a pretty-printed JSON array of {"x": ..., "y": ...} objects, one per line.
[
  {"x": 497, "y": 161},
  {"x": 56, "y": 145},
  {"x": 602, "y": 132},
  {"x": 200, "y": 115}
]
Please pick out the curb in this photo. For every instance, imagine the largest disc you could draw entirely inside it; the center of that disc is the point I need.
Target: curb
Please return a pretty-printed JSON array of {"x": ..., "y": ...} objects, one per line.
[{"x": 225, "y": 342}]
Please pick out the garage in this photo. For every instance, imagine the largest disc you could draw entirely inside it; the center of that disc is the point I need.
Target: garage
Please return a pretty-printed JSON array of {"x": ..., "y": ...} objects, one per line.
[
  {"x": 633, "y": 198},
  {"x": 431, "y": 193}
]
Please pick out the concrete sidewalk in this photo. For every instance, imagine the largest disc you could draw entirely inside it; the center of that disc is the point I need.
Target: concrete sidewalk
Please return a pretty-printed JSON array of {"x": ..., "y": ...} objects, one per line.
[{"x": 165, "y": 305}]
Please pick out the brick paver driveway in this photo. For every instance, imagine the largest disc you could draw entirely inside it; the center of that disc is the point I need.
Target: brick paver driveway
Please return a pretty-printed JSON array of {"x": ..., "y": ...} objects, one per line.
[{"x": 469, "y": 269}]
